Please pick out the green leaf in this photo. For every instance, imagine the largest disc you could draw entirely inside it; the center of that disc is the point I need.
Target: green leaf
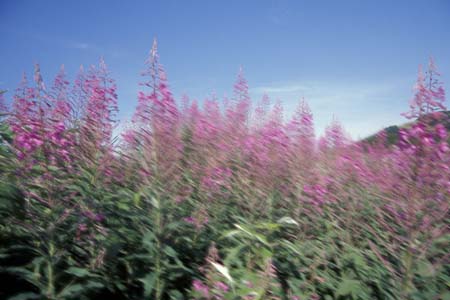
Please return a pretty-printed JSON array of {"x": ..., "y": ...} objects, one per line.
[
  {"x": 53, "y": 168},
  {"x": 233, "y": 255},
  {"x": 78, "y": 272},
  {"x": 231, "y": 233},
  {"x": 76, "y": 289},
  {"x": 446, "y": 296},
  {"x": 267, "y": 226},
  {"x": 255, "y": 235},
  {"x": 148, "y": 239},
  {"x": 155, "y": 202},
  {"x": 21, "y": 272},
  {"x": 137, "y": 199},
  {"x": 170, "y": 252},
  {"x": 175, "y": 295},
  {"x": 123, "y": 206},
  {"x": 25, "y": 296},
  {"x": 71, "y": 290},
  {"x": 425, "y": 269},
  {"x": 348, "y": 287},
  {"x": 222, "y": 270},
  {"x": 265, "y": 253},
  {"x": 359, "y": 260},
  {"x": 149, "y": 282},
  {"x": 290, "y": 246},
  {"x": 287, "y": 221},
  {"x": 94, "y": 285}
]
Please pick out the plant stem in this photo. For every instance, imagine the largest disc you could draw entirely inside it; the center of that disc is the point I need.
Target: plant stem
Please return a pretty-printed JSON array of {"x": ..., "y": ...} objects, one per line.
[{"x": 50, "y": 275}]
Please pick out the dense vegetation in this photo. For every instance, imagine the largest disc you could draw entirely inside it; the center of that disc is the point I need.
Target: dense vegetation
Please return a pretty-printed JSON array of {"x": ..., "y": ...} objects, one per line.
[
  {"x": 218, "y": 201},
  {"x": 392, "y": 133}
]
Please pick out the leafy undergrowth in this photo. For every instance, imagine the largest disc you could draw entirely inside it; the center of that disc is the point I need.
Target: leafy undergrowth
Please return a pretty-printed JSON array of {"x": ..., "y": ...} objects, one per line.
[{"x": 214, "y": 202}]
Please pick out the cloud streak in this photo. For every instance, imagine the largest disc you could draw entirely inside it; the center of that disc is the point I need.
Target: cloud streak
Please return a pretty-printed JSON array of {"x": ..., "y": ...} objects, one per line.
[
  {"x": 363, "y": 107},
  {"x": 69, "y": 43},
  {"x": 79, "y": 45},
  {"x": 286, "y": 88}
]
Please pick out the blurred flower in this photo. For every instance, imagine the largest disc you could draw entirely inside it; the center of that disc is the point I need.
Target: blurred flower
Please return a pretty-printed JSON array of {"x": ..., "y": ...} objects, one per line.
[{"x": 200, "y": 287}]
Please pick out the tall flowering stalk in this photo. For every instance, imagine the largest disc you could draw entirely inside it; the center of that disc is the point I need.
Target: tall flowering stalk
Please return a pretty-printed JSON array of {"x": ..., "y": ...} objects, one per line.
[
  {"x": 267, "y": 152},
  {"x": 100, "y": 107},
  {"x": 78, "y": 98},
  {"x": 58, "y": 136},
  {"x": 142, "y": 115},
  {"x": 44, "y": 149},
  {"x": 27, "y": 120},
  {"x": 302, "y": 152},
  {"x": 419, "y": 185},
  {"x": 157, "y": 122},
  {"x": 335, "y": 137},
  {"x": 430, "y": 94},
  {"x": 301, "y": 130},
  {"x": 96, "y": 127},
  {"x": 261, "y": 111},
  {"x": 237, "y": 113}
]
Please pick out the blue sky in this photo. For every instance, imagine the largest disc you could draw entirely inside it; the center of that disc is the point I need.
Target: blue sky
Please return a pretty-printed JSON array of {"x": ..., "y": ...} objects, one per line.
[{"x": 354, "y": 59}]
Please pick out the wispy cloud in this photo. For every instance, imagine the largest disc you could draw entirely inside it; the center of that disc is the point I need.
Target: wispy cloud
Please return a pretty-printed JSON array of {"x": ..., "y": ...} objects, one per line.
[
  {"x": 284, "y": 88},
  {"x": 363, "y": 107},
  {"x": 79, "y": 45},
  {"x": 328, "y": 88},
  {"x": 66, "y": 43}
]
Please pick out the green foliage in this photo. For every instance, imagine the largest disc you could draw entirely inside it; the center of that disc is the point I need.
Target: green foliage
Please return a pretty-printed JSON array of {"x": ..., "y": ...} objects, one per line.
[{"x": 82, "y": 235}]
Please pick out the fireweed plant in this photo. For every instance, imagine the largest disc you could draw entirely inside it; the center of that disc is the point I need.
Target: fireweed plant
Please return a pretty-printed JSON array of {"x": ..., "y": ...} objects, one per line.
[{"x": 219, "y": 200}]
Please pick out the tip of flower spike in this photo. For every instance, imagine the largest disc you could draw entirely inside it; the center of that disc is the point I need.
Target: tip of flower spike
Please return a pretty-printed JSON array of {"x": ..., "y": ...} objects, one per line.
[
  {"x": 431, "y": 65},
  {"x": 38, "y": 77},
  {"x": 154, "y": 50},
  {"x": 102, "y": 63}
]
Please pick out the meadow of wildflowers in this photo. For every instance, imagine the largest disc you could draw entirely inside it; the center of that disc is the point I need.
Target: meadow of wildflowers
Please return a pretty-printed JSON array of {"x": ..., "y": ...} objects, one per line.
[{"x": 223, "y": 200}]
